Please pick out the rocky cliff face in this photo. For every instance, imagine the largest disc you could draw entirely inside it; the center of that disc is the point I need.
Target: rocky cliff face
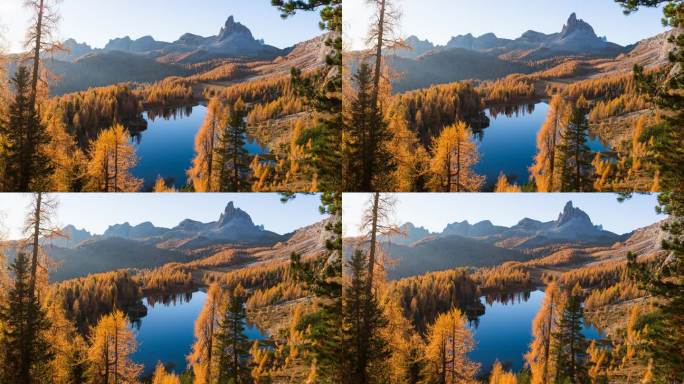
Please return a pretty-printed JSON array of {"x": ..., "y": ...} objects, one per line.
[
  {"x": 233, "y": 30},
  {"x": 234, "y": 217},
  {"x": 573, "y": 216}
]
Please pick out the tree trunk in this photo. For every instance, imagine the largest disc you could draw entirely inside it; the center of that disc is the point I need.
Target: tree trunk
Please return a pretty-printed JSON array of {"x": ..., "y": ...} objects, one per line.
[
  {"x": 373, "y": 241},
  {"x": 578, "y": 184},
  {"x": 116, "y": 353},
  {"x": 116, "y": 163},
  {"x": 458, "y": 164},
  {"x": 210, "y": 340},
  {"x": 210, "y": 154},
  {"x": 547, "y": 342},
  {"x": 236, "y": 362},
  {"x": 235, "y": 161},
  {"x": 36, "y": 54},
  {"x": 378, "y": 53},
  {"x": 105, "y": 354},
  {"x": 552, "y": 157},
  {"x": 36, "y": 234}
]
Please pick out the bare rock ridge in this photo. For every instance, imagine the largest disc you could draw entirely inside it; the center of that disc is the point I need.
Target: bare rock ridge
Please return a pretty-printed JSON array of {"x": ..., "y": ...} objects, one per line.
[
  {"x": 572, "y": 225},
  {"x": 233, "y": 29},
  {"x": 576, "y": 36},
  {"x": 234, "y": 39},
  {"x": 234, "y": 217}
]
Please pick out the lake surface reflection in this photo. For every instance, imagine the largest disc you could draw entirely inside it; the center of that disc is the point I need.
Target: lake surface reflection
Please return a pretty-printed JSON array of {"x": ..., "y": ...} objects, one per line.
[
  {"x": 166, "y": 333},
  {"x": 509, "y": 143},
  {"x": 504, "y": 332},
  {"x": 166, "y": 148}
]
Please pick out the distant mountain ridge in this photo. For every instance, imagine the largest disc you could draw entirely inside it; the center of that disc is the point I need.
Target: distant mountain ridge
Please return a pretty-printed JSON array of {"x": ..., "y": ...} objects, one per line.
[
  {"x": 233, "y": 225},
  {"x": 576, "y": 36},
  {"x": 489, "y": 57},
  {"x": 147, "y": 246},
  {"x": 234, "y": 39},
  {"x": 572, "y": 225},
  {"x": 146, "y": 60},
  {"x": 483, "y": 244}
]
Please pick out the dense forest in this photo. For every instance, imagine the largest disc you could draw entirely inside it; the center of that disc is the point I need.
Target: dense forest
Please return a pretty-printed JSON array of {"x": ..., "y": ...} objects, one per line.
[
  {"x": 421, "y": 329},
  {"x": 83, "y": 141},
  {"x": 406, "y": 141},
  {"x": 82, "y": 330}
]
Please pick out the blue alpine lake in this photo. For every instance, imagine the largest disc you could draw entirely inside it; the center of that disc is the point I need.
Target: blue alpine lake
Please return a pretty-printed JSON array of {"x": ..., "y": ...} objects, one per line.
[
  {"x": 166, "y": 148},
  {"x": 504, "y": 332},
  {"x": 166, "y": 333},
  {"x": 509, "y": 143}
]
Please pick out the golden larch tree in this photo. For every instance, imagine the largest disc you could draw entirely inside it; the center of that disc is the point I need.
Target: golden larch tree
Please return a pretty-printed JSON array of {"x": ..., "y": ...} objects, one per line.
[
  {"x": 545, "y": 171},
  {"x": 162, "y": 377},
  {"x": 449, "y": 342},
  {"x": 112, "y": 156},
  {"x": 410, "y": 155},
  {"x": 201, "y": 358},
  {"x": 539, "y": 359},
  {"x": 499, "y": 376},
  {"x": 502, "y": 185},
  {"x": 201, "y": 174},
  {"x": 111, "y": 344},
  {"x": 454, "y": 154}
]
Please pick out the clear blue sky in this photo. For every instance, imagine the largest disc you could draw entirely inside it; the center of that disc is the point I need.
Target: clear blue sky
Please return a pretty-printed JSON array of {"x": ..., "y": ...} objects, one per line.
[
  {"x": 435, "y": 210},
  {"x": 97, "y": 21},
  {"x": 438, "y": 20},
  {"x": 96, "y": 211}
]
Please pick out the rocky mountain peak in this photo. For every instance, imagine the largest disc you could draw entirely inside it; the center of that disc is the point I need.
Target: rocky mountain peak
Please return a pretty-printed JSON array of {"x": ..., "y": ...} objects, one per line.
[
  {"x": 574, "y": 25},
  {"x": 233, "y": 215},
  {"x": 571, "y": 213},
  {"x": 233, "y": 28}
]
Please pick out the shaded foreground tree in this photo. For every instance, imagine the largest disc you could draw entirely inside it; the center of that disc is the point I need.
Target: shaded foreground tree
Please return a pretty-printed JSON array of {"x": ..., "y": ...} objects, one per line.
[
  {"x": 322, "y": 277},
  {"x": 569, "y": 345},
  {"x": 576, "y": 169},
  {"x": 232, "y": 346},
  {"x": 664, "y": 279},
  {"x": 231, "y": 158},
  {"x": 365, "y": 350},
  {"x": 27, "y": 167},
  {"x": 24, "y": 348},
  {"x": 323, "y": 91},
  {"x": 369, "y": 164}
]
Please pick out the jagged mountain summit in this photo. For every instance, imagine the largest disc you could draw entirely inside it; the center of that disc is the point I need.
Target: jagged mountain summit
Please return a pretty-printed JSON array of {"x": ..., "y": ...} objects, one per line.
[
  {"x": 572, "y": 226},
  {"x": 233, "y": 40},
  {"x": 576, "y": 37},
  {"x": 234, "y": 224}
]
